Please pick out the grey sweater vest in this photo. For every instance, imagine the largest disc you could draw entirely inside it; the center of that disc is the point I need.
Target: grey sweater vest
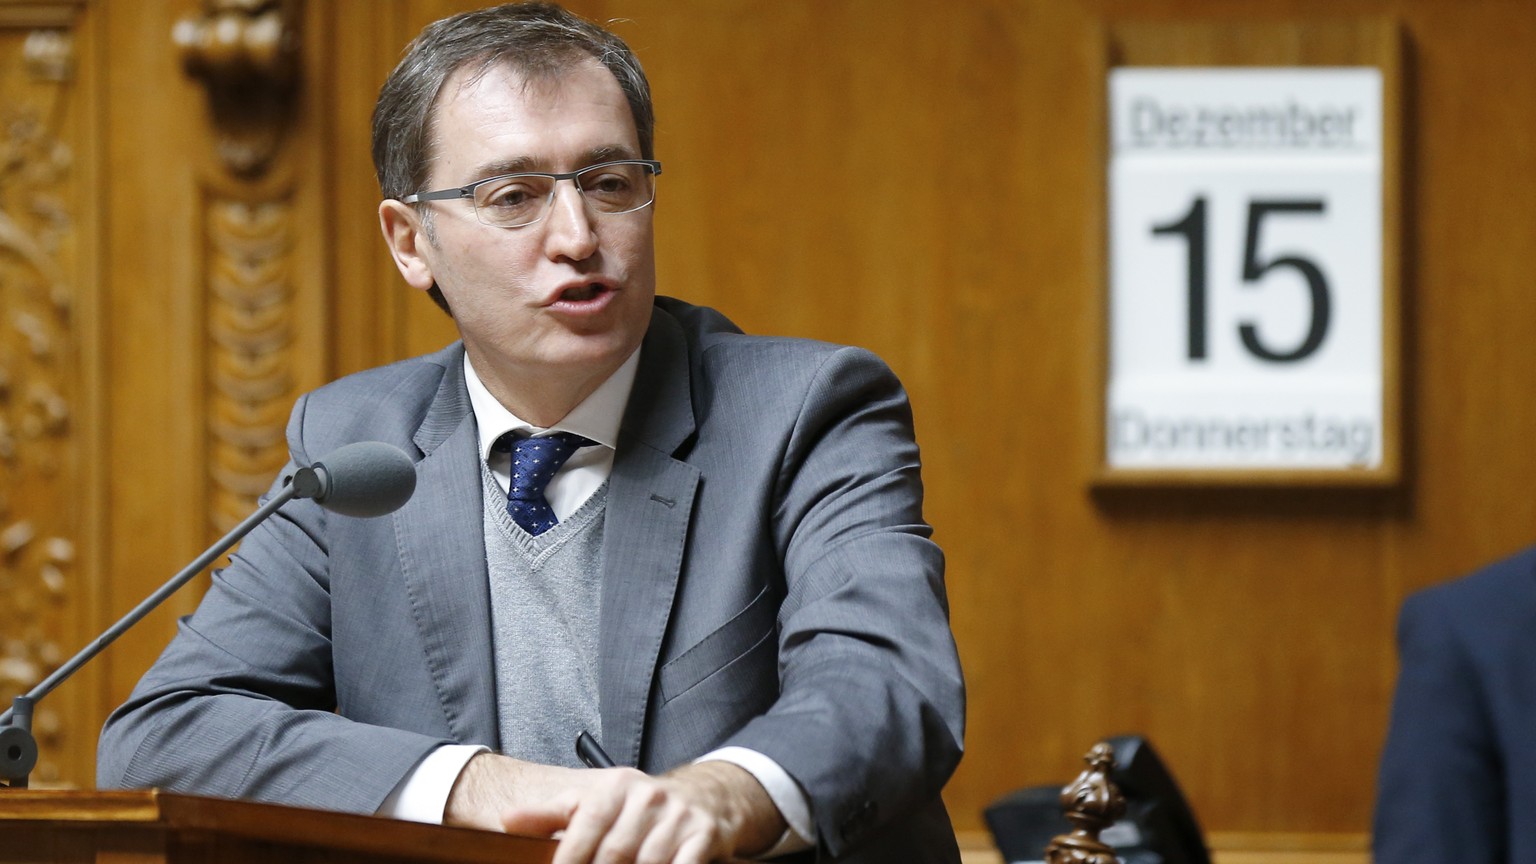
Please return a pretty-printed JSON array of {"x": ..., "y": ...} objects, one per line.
[{"x": 545, "y": 595}]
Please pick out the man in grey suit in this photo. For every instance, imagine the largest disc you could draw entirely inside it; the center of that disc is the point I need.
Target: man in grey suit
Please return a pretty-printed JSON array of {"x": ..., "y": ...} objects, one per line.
[{"x": 706, "y": 548}]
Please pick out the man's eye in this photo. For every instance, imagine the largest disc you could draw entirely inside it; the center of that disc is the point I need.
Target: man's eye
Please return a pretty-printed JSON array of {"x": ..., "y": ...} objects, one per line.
[
  {"x": 510, "y": 195},
  {"x": 607, "y": 183}
]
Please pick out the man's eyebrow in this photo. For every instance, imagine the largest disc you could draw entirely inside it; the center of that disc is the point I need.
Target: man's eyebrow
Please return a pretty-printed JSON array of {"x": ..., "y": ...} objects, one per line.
[
  {"x": 607, "y": 153},
  {"x": 505, "y": 166}
]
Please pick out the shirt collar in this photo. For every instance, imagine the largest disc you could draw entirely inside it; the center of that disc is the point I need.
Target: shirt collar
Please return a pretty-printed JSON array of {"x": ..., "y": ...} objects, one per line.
[{"x": 597, "y": 417}]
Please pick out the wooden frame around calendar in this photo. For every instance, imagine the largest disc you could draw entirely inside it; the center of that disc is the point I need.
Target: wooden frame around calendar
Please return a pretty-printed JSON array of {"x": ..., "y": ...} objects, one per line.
[{"x": 1371, "y": 42}]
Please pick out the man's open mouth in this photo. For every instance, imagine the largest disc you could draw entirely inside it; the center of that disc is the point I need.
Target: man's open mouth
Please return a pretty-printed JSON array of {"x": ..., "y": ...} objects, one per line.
[{"x": 583, "y": 293}]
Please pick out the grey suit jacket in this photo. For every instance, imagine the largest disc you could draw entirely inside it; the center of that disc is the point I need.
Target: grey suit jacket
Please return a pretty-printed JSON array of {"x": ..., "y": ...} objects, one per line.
[{"x": 768, "y": 581}]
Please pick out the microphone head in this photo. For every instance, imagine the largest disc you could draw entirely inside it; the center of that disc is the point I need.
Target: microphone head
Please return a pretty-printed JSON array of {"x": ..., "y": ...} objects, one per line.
[{"x": 367, "y": 478}]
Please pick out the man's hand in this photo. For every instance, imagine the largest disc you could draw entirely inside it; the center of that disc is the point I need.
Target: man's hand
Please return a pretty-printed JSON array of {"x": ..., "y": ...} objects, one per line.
[{"x": 710, "y": 811}]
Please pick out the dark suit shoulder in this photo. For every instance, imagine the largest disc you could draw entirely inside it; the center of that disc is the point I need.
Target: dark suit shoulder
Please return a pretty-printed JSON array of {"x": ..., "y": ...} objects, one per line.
[
  {"x": 1492, "y": 610},
  {"x": 1497, "y": 585}
]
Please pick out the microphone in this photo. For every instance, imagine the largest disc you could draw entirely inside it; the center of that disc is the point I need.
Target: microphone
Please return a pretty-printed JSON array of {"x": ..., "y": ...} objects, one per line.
[
  {"x": 365, "y": 479},
  {"x": 368, "y": 478}
]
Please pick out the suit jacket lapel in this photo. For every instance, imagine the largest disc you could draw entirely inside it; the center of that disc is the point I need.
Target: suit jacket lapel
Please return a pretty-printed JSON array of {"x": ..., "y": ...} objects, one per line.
[
  {"x": 441, "y": 537},
  {"x": 650, "y": 505}
]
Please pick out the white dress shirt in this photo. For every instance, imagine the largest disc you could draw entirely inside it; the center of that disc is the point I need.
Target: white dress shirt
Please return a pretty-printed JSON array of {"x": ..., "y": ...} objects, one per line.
[{"x": 422, "y": 795}]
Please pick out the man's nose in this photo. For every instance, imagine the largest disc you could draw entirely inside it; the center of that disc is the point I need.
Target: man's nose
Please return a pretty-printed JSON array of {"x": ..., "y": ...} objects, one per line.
[{"x": 571, "y": 232}]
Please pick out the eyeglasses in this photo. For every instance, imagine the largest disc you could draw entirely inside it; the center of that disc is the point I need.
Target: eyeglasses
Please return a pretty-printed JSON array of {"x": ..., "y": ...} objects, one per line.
[{"x": 515, "y": 200}]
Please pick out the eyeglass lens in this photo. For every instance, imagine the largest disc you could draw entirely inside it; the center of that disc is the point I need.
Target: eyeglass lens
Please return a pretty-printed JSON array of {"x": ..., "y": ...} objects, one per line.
[{"x": 522, "y": 199}]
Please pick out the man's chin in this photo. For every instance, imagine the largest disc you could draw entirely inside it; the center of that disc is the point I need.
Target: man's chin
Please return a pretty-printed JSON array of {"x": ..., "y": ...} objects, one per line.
[{"x": 596, "y": 353}]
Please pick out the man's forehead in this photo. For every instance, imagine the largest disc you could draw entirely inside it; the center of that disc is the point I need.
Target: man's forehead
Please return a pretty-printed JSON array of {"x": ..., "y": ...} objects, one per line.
[
  {"x": 577, "y": 77},
  {"x": 479, "y": 93}
]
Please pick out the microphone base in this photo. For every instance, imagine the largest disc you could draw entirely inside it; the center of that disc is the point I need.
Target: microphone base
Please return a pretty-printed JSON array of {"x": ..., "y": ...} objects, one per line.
[{"x": 18, "y": 749}]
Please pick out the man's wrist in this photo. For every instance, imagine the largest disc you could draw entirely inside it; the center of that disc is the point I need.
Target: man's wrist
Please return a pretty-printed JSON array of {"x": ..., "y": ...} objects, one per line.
[
  {"x": 788, "y": 797},
  {"x": 422, "y": 795},
  {"x": 477, "y": 798},
  {"x": 492, "y": 783}
]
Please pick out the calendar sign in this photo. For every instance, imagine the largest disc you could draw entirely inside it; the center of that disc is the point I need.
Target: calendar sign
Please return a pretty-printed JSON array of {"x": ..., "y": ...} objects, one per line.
[{"x": 1245, "y": 297}]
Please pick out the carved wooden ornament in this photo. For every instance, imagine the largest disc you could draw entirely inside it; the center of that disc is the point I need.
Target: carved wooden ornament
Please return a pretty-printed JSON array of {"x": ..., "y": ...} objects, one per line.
[
  {"x": 246, "y": 54},
  {"x": 1092, "y": 803},
  {"x": 40, "y": 363}
]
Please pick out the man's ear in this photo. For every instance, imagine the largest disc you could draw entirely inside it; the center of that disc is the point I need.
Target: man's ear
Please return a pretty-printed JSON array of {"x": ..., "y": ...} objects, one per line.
[{"x": 407, "y": 241}]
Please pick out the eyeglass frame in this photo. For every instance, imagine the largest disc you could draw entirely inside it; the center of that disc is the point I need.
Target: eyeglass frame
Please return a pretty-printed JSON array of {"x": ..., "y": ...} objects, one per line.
[{"x": 461, "y": 192}]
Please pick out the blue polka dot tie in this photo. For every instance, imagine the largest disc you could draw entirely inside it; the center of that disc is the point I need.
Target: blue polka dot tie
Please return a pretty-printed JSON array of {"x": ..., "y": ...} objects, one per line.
[{"x": 534, "y": 463}]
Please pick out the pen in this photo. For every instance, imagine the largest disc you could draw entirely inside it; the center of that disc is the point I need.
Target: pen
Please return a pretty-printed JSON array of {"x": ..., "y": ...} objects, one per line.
[{"x": 591, "y": 753}]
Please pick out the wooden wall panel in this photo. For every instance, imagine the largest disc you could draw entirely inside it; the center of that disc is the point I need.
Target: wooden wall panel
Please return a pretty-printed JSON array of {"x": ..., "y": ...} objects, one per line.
[
  {"x": 922, "y": 179},
  {"x": 49, "y": 402},
  {"x": 216, "y": 302},
  {"x": 152, "y": 350},
  {"x": 373, "y": 311}
]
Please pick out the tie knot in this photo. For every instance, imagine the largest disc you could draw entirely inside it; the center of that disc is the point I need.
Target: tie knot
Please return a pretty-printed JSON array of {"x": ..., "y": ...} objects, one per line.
[
  {"x": 535, "y": 460},
  {"x": 534, "y": 463}
]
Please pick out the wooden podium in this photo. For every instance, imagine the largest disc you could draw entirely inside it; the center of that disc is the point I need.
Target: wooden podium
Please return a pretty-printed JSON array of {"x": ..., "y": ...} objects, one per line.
[{"x": 43, "y": 827}]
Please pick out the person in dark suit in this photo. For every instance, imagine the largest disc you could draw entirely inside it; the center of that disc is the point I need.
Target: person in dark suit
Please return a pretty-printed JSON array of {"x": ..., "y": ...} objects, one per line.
[
  {"x": 706, "y": 548},
  {"x": 1458, "y": 773}
]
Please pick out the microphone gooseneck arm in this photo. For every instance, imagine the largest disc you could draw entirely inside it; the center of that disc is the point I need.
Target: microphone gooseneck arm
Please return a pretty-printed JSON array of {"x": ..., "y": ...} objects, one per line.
[
  {"x": 366, "y": 478},
  {"x": 148, "y": 605},
  {"x": 18, "y": 748}
]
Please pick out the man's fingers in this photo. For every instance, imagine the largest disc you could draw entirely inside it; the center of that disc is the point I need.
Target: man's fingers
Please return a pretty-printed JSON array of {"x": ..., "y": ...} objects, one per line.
[
  {"x": 661, "y": 826},
  {"x": 624, "y": 815},
  {"x": 597, "y": 809},
  {"x": 536, "y": 821},
  {"x": 659, "y": 843},
  {"x": 644, "y": 803},
  {"x": 697, "y": 849}
]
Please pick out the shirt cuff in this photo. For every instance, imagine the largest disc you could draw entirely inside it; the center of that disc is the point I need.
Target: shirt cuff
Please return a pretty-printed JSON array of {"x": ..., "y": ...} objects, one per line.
[
  {"x": 422, "y": 795},
  {"x": 782, "y": 789}
]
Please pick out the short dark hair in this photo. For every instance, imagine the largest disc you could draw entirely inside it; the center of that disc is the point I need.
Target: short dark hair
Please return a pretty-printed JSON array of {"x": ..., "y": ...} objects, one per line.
[{"x": 533, "y": 38}]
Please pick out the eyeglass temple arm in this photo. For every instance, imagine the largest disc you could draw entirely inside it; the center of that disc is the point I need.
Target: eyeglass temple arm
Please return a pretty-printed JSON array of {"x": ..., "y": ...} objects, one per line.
[{"x": 439, "y": 195}]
